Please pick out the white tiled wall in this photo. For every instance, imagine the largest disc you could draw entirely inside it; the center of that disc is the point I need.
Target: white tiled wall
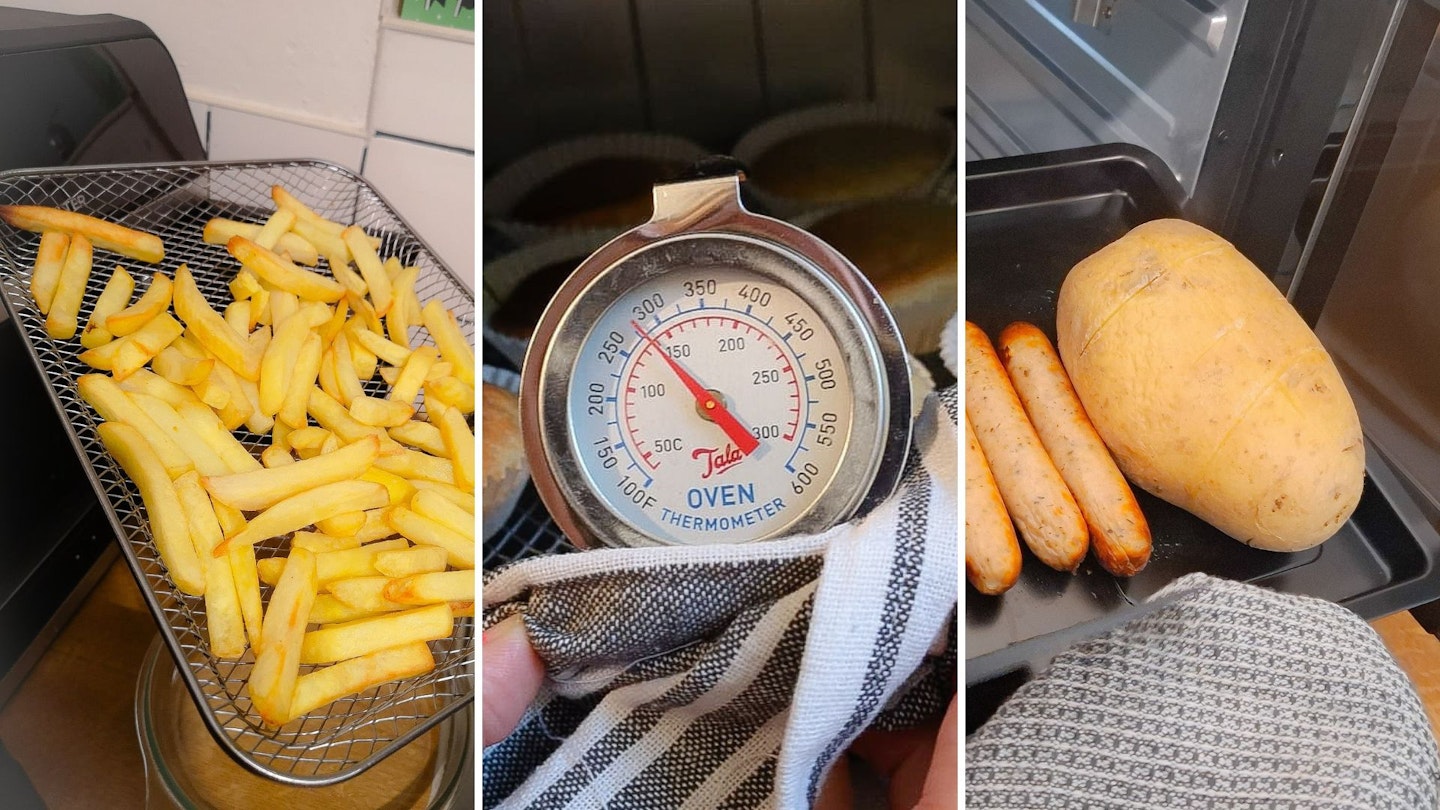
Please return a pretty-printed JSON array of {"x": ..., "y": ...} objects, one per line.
[
  {"x": 238, "y": 135},
  {"x": 419, "y": 180},
  {"x": 335, "y": 80}
]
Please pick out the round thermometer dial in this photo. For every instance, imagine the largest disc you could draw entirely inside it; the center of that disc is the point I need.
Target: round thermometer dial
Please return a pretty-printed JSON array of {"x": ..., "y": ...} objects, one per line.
[
  {"x": 713, "y": 387},
  {"x": 710, "y": 405}
]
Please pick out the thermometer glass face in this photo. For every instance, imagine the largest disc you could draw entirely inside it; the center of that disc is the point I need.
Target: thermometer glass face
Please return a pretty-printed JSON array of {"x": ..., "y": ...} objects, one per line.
[{"x": 710, "y": 405}]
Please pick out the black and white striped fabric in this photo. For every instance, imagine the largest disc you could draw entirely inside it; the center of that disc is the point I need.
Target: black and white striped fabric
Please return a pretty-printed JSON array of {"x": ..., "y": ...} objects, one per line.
[
  {"x": 735, "y": 676},
  {"x": 1231, "y": 697}
]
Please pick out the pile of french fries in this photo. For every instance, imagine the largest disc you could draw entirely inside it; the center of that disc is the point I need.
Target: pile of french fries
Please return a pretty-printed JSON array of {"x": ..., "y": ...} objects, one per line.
[{"x": 377, "y": 502}]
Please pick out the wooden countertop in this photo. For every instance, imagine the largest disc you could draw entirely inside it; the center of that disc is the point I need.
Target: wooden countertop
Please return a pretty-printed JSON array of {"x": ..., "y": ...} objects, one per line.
[{"x": 71, "y": 725}]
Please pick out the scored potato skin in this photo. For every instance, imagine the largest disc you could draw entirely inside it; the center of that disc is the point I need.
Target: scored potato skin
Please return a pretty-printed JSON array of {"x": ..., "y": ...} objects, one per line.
[
  {"x": 1044, "y": 511},
  {"x": 1119, "y": 532},
  {"x": 1209, "y": 389},
  {"x": 992, "y": 551}
]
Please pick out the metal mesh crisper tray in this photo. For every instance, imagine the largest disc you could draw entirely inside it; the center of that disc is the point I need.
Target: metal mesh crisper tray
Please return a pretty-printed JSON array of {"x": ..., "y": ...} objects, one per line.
[{"x": 174, "y": 201}]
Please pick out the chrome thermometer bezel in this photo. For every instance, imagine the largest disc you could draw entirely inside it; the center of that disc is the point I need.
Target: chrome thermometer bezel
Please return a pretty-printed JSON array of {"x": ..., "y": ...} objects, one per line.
[{"x": 707, "y": 217}]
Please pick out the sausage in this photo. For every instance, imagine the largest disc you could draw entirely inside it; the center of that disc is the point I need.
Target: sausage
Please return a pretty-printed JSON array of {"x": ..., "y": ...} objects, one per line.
[
  {"x": 992, "y": 552},
  {"x": 1044, "y": 511},
  {"x": 1118, "y": 530}
]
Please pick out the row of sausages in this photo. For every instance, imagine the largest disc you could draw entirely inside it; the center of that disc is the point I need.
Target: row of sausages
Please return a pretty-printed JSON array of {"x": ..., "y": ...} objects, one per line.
[{"x": 1034, "y": 463}]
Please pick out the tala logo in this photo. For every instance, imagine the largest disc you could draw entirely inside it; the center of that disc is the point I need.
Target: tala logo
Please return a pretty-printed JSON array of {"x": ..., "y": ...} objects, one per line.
[{"x": 718, "y": 460}]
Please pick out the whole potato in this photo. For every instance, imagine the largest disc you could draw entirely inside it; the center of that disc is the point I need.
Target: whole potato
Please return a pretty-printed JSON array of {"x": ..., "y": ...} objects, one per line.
[{"x": 1209, "y": 388}]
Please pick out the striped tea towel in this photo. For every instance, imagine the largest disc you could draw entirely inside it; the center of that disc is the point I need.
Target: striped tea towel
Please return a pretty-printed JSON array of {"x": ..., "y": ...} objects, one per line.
[
  {"x": 734, "y": 676},
  {"x": 1232, "y": 697}
]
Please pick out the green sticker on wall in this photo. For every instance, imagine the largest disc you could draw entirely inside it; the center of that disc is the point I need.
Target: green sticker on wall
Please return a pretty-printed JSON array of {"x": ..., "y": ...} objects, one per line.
[{"x": 449, "y": 13}]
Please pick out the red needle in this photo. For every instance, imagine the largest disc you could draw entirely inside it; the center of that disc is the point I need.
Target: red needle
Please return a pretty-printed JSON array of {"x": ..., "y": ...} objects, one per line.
[{"x": 706, "y": 400}]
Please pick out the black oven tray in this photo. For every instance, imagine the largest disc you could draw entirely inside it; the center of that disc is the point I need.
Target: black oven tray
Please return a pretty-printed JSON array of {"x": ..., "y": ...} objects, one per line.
[{"x": 1028, "y": 220}]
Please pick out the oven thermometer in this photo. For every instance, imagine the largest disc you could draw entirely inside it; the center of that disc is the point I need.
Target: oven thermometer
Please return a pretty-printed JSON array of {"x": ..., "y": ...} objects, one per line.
[{"x": 713, "y": 376}]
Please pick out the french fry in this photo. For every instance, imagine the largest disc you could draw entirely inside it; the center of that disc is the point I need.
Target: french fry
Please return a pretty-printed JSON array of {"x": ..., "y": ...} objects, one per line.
[
  {"x": 367, "y": 314},
  {"x": 155, "y": 301},
  {"x": 460, "y": 445},
  {"x": 412, "y": 374},
  {"x": 283, "y": 304},
  {"x": 453, "y": 391},
  {"x": 49, "y": 258},
  {"x": 244, "y": 286},
  {"x": 210, "y": 329},
  {"x": 411, "y": 464},
  {"x": 141, "y": 346},
  {"x": 145, "y": 381},
  {"x": 219, "y": 231},
  {"x": 330, "y": 610},
  {"x": 405, "y": 311},
  {"x": 113, "y": 298},
  {"x": 338, "y": 259},
  {"x": 299, "y": 381},
  {"x": 422, "y": 435},
  {"x": 459, "y": 552},
  {"x": 345, "y": 377},
  {"x": 339, "y": 642},
  {"x": 387, "y": 350},
  {"x": 261, "y": 489},
  {"x": 364, "y": 360},
  {"x": 438, "y": 508},
  {"x": 114, "y": 405},
  {"x": 462, "y": 609},
  {"x": 276, "y": 226},
  {"x": 303, "y": 509},
  {"x": 343, "y": 524},
  {"x": 400, "y": 489},
  {"x": 445, "y": 330},
  {"x": 406, "y": 561},
  {"x": 168, "y": 523},
  {"x": 303, "y": 213},
  {"x": 308, "y": 438},
  {"x": 365, "y": 592},
  {"x": 223, "y": 622},
  {"x": 260, "y": 307},
  {"x": 376, "y": 527},
  {"x": 283, "y": 274},
  {"x": 63, "y": 318},
  {"x": 237, "y": 407},
  {"x": 326, "y": 377},
  {"x": 353, "y": 562},
  {"x": 318, "y": 541},
  {"x": 459, "y": 497},
  {"x": 256, "y": 422},
  {"x": 393, "y": 268},
  {"x": 274, "y": 456},
  {"x": 238, "y": 315},
  {"x": 208, "y": 426},
  {"x": 430, "y": 588},
  {"x": 278, "y": 453},
  {"x": 332, "y": 416},
  {"x": 337, "y": 564},
  {"x": 327, "y": 243},
  {"x": 282, "y": 356},
  {"x": 282, "y": 636},
  {"x": 376, "y": 282},
  {"x": 380, "y": 412},
  {"x": 316, "y": 689},
  {"x": 137, "y": 245},
  {"x": 204, "y": 458},
  {"x": 244, "y": 571},
  {"x": 173, "y": 365}
]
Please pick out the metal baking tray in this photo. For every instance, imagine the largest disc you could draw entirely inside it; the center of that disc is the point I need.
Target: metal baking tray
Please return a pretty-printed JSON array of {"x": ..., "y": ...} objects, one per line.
[
  {"x": 174, "y": 201},
  {"x": 1029, "y": 220}
]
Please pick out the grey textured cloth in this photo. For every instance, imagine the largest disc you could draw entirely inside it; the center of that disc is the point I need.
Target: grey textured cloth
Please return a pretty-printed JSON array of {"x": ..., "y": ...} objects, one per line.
[
  {"x": 1232, "y": 697},
  {"x": 734, "y": 676}
]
